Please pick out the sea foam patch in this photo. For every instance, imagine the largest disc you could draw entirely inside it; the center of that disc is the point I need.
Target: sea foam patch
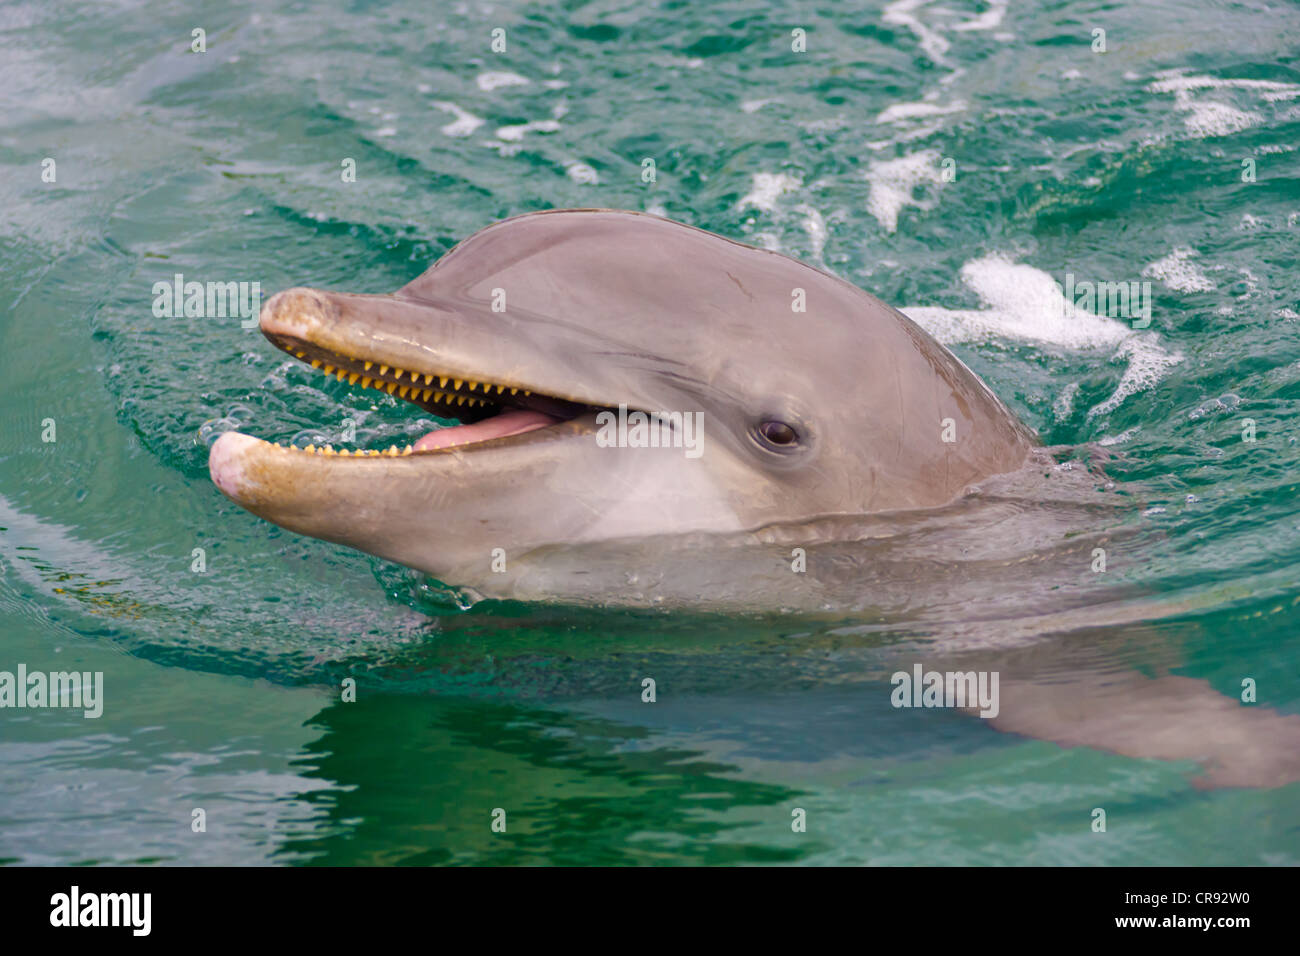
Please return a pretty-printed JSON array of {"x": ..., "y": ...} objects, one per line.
[
  {"x": 894, "y": 182},
  {"x": 766, "y": 189},
  {"x": 1213, "y": 117},
  {"x": 496, "y": 79},
  {"x": 464, "y": 122},
  {"x": 1021, "y": 302},
  {"x": 1179, "y": 272}
]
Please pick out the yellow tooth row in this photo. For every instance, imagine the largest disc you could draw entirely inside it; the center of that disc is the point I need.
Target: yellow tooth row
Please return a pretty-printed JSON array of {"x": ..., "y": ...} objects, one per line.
[
  {"x": 413, "y": 390},
  {"x": 327, "y": 450}
]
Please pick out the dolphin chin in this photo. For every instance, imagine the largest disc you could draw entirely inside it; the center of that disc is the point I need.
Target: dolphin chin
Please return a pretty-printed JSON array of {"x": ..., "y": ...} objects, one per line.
[{"x": 749, "y": 390}]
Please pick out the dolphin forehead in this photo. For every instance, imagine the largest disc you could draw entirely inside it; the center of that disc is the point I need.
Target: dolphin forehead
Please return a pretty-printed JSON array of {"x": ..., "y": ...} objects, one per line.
[{"x": 648, "y": 289}]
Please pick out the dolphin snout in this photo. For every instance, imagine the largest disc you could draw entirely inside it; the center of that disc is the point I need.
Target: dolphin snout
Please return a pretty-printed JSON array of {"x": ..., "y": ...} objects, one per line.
[
  {"x": 296, "y": 312},
  {"x": 225, "y": 462}
]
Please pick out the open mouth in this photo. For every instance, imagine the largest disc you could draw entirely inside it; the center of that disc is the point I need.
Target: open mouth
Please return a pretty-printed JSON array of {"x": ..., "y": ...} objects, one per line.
[{"x": 485, "y": 411}]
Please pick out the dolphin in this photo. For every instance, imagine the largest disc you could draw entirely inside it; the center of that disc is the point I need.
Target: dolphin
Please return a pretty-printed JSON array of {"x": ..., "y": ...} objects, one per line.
[
  {"x": 782, "y": 395},
  {"x": 651, "y": 415}
]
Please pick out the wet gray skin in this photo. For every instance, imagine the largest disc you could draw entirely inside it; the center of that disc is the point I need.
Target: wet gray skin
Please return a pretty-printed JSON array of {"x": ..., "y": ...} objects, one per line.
[
  {"x": 981, "y": 544},
  {"x": 598, "y": 308}
]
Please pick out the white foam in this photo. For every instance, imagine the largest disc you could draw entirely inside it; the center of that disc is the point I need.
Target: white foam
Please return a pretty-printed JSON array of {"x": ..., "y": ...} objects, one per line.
[
  {"x": 753, "y": 106},
  {"x": 514, "y": 134},
  {"x": 1216, "y": 119},
  {"x": 990, "y": 18},
  {"x": 1124, "y": 436},
  {"x": 766, "y": 189},
  {"x": 494, "y": 80},
  {"x": 464, "y": 123},
  {"x": 582, "y": 174},
  {"x": 1021, "y": 302},
  {"x": 1179, "y": 273},
  {"x": 917, "y": 132},
  {"x": 893, "y": 183},
  {"x": 1213, "y": 118},
  {"x": 1173, "y": 81},
  {"x": 900, "y": 13},
  {"x": 814, "y": 224},
  {"x": 1064, "y": 403},
  {"x": 1148, "y": 363},
  {"x": 906, "y": 111}
]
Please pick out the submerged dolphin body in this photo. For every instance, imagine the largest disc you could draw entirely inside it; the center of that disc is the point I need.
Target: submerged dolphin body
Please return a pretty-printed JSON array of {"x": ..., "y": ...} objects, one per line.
[{"x": 788, "y": 396}]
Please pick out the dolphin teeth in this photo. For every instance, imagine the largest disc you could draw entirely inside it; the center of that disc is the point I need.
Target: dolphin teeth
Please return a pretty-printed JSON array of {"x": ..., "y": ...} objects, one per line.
[
  {"x": 392, "y": 451},
  {"x": 407, "y": 450},
  {"x": 390, "y": 387},
  {"x": 500, "y": 389},
  {"x": 397, "y": 373},
  {"x": 341, "y": 375},
  {"x": 442, "y": 380},
  {"x": 310, "y": 449},
  {"x": 299, "y": 354},
  {"x": 328, "y": 449},
  {"x": 369, "y": 366},
  {"x": 315, "y": 363},
  {"x": 473, "y": 385},
  {"x": 365, "y": 382},
  {"x": 526, "y": 392},
  {"x": 383, "y": 370},
  {"x": 514, "y": 391},
  {"x": 352, "y": 378},
  {"x": 428, "y": 379},
  {"x": 329, "y": 369},
  {"x": 403, "y": 390},
  {"x": 460, "y": 399},
  {"x": 424, "y": 396},
  {"x": 457, "y": 383},
  {"x": 372, "y": 453}
]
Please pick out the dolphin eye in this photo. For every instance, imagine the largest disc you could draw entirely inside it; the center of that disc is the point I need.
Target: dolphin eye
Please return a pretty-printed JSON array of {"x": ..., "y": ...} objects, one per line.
[{"x": 777, "y": 434}]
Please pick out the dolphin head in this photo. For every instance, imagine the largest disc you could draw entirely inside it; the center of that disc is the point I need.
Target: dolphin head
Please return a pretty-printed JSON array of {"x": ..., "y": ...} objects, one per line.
[{"x": 569, "y": 344}]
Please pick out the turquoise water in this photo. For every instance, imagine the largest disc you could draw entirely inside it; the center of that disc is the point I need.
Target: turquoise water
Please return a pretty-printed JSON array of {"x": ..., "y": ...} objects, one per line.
[{"x": 222, "y": 686}]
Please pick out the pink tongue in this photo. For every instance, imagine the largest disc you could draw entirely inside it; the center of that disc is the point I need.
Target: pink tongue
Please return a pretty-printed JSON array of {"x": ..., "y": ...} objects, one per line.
[{"x": 513, "y": 422}]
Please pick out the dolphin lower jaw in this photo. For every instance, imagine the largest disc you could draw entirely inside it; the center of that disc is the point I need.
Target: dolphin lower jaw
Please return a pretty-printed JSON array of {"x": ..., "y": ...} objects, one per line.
[{"x": 450, "y": 514}]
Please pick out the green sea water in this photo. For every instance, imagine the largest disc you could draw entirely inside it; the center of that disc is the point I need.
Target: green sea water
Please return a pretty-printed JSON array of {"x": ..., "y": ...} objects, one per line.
[{"x": 947, "y": 157}]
